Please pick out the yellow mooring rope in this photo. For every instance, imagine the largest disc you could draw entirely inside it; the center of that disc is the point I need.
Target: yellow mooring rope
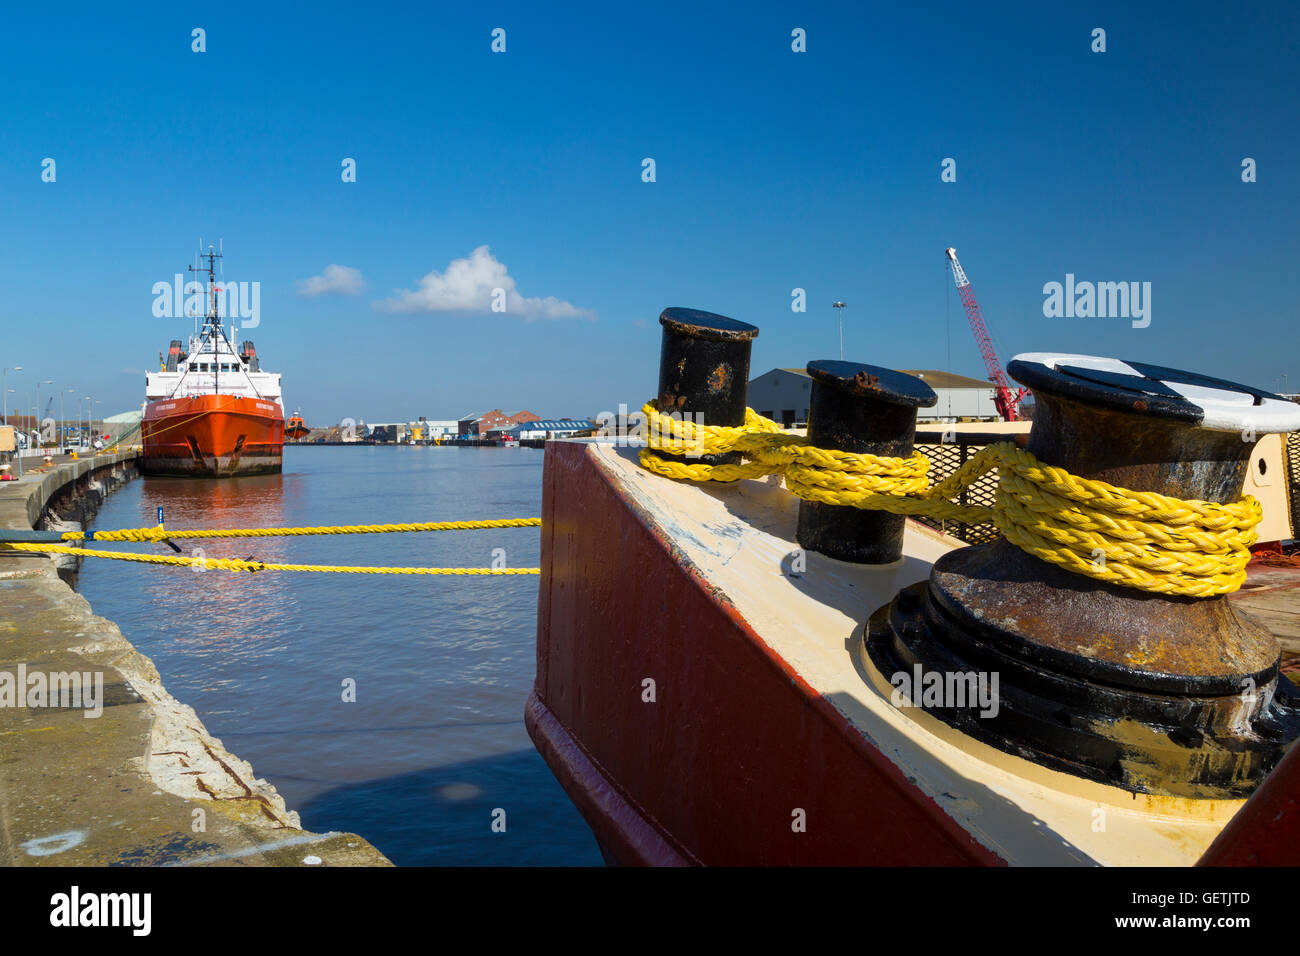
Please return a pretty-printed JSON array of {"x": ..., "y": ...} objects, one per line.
[
  {"x": 1141, "y": 540},
  {"x": 159, "y": 533}
]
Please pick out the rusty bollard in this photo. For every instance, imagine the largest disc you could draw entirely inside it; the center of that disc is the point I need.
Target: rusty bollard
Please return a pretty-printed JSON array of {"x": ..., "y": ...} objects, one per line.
[
  {"x": 1165, "y": 695},
  {"x": 704, "y": 372},
  {"x": 863, "y": 409}
]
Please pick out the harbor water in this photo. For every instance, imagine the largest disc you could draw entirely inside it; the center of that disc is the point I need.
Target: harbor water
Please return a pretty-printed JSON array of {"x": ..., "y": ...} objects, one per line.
[{"x": 433, "y": 749}]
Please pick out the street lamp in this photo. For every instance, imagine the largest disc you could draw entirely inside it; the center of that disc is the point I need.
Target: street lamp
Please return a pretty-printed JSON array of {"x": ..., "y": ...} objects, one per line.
[
  {"x": 4, "y": 383},
  {"x": 88, "y": 435},
  {"x": 63, "y": 418},
  {"x": 839, "y": 310},
  {"x": 48, "y": 381}
]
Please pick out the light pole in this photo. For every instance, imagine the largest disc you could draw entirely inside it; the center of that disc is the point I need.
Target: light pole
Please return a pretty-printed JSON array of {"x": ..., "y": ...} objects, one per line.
[
  {"x": 4, "y": 383},
  {"x": 48, "y": 381},
  {"x": 839, "y": 310},
  {"x": 90, "y": 422},
  {"x": 63, "y": 418}
]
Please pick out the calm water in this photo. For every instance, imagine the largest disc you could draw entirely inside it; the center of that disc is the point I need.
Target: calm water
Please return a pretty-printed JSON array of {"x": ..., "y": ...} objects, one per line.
[{"x": 443, "y": 665}]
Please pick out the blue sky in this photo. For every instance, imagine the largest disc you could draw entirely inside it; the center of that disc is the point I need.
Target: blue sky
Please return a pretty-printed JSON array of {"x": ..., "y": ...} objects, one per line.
[{"x": 775, "y": 170}]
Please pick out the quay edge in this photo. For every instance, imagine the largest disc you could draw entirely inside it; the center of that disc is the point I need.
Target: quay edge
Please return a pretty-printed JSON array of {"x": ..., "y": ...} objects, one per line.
[{"x": 124, "y": 788}]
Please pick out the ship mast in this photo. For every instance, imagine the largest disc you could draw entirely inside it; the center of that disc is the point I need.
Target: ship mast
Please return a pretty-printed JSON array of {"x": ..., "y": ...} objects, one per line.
[{"x": 211, "y": 322}]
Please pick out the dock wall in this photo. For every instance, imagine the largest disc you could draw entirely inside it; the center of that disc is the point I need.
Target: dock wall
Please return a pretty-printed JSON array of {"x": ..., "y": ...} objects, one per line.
[{"x": 141, "y": 782}]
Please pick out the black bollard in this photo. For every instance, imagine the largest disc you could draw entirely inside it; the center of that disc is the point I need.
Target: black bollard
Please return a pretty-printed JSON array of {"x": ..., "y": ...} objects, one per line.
[
  {"x": 704, "y": 372},
  {"x": 1170, "y": 695},
  {"x": 866, "y": 410}
]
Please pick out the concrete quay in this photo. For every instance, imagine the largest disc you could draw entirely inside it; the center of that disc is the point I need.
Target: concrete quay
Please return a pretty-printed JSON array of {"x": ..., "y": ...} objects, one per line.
[{"x": 142, "y": 783}]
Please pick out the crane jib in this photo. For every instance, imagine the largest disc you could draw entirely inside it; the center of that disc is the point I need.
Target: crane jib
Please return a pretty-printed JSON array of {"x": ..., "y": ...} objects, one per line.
[{"x": 1004, "y": 400}]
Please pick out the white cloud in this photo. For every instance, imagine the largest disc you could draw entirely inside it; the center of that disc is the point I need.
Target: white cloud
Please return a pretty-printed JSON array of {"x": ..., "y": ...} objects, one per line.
[
  {"x": 343, "y": 280},
  {"x": 469, "y": 285}
]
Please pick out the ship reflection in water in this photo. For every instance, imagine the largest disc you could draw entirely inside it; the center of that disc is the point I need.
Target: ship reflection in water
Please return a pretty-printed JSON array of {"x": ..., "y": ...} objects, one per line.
[{"x": 434, "y": 742}]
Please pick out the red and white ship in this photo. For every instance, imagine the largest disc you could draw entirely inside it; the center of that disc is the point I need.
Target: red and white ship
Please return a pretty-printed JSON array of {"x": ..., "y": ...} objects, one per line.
[{"x": 211, "y": 411}]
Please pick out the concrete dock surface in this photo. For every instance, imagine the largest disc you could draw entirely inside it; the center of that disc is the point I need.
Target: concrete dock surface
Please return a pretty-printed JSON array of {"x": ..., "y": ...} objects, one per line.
[{"x": 142, "y": 783}]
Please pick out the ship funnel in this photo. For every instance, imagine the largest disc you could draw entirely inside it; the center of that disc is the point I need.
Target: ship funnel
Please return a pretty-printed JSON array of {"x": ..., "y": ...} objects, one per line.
[{"x": 1158, "y": 694}]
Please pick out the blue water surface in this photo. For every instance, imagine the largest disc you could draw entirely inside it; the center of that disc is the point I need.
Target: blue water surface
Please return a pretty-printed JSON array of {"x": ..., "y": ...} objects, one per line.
[{"x": 434, "y": 745}]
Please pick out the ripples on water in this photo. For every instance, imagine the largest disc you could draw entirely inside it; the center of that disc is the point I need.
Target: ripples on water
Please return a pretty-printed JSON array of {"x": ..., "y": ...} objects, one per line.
[{"x": 435, "y": 740}]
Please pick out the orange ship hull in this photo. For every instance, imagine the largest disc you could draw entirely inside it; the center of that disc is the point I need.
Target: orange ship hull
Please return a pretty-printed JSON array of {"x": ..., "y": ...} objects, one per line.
[{"x": 212, "y": 436}]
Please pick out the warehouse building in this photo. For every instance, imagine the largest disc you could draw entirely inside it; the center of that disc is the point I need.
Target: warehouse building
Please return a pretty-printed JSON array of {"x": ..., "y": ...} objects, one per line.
[
  {"x": 960, "y": 398},
  {"x": 480, "y": 426},
  {"x": 426, "y": 430},
  {"x": 549, "y": 428},
  {"x": 388, "y": 433},
  {"x": 783, "y": 396}
]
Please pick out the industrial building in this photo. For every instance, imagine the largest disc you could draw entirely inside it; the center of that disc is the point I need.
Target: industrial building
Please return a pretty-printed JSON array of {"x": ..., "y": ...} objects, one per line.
[
  {"x": 427, "y": 431},
  {"x": 387, "y": 433},
  {"x": 549, "y": 428},
  {"x": 960, "y": 398},
  {"x": 479, "y": 426},
  {"x": 782, "y": 395}
]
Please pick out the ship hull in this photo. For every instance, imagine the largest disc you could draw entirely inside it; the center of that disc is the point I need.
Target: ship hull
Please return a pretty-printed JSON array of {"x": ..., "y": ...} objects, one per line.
[
  {"x": 212, "y": 436},
  {"x": 702, "y": 773},
  {"x": 703, "y": 703}
]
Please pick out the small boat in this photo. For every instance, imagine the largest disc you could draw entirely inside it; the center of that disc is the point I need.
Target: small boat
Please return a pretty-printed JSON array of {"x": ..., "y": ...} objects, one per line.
[
  {"x": 295, "y": 428},
  {"x": 211, "y": 411}
]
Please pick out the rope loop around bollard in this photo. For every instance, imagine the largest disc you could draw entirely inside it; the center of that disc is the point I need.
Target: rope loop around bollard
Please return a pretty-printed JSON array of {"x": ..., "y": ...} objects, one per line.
[{"x": 1142, "y": 540}]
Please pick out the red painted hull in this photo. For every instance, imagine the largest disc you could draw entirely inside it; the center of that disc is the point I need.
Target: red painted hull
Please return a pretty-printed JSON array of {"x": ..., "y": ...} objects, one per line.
[
  {"x": 736, "y": 741},
  {"x": 705, "y": 774},
  {"x": 212, "y": 436}
]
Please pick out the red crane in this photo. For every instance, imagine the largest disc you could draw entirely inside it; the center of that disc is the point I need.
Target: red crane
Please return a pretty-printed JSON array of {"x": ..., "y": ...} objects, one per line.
[{"x": 1006, "y": 401}]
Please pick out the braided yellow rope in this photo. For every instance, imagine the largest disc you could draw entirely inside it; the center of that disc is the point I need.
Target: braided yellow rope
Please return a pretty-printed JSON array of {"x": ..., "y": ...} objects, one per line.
[
  {"x": 236, "y": 564},
  {"x": 160, "y": 534},
  {"x": 1141, "y": 540}
]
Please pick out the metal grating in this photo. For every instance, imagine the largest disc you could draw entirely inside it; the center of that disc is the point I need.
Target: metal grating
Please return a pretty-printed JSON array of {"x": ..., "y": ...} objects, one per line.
[
  {"x": 948, "y": 457},
  {"x": 944, "y": 460}
]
